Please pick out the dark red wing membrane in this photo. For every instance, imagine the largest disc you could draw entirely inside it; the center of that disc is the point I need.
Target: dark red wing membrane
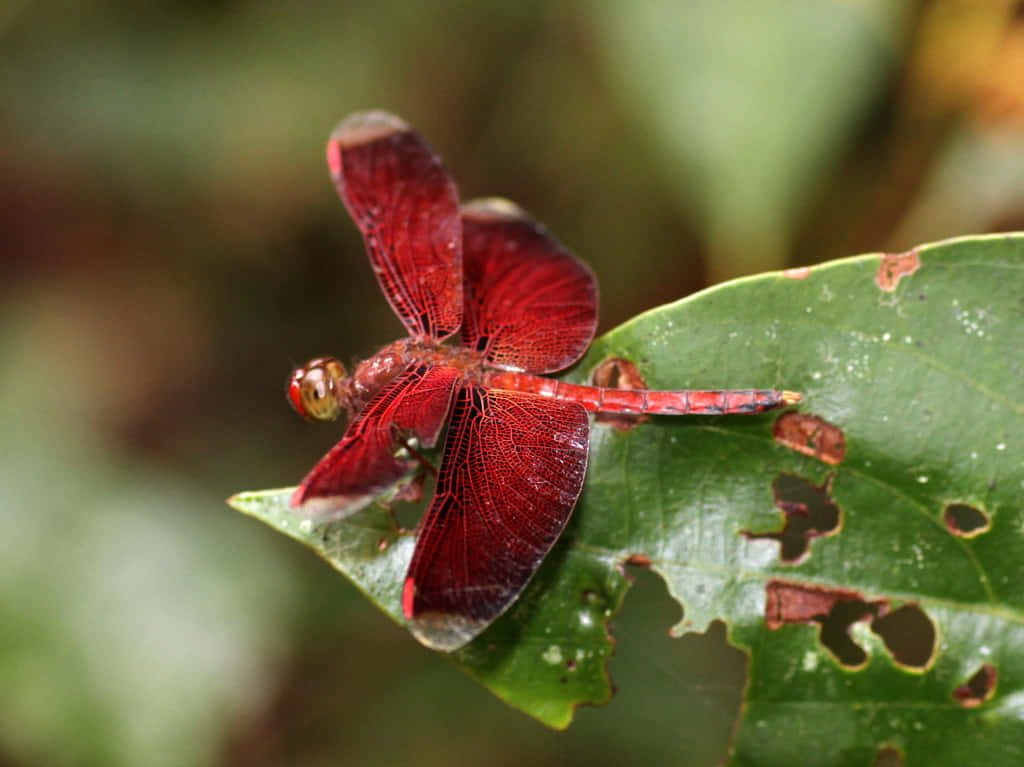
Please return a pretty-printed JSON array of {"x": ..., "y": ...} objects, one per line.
[
  {"x": 529, "y": 303},
  {"x": 364, "y": 463},
  {"x": 405, "y": 204},
  {"x": 512, "y": 470}
]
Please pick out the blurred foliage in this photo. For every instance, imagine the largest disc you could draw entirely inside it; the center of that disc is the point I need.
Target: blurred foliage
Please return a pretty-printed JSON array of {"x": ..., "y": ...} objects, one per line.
[{"x": 172, "y": 246}]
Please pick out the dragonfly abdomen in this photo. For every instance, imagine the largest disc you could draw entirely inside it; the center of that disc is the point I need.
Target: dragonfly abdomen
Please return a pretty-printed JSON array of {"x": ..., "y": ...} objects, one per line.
[{"x": 644, "y": 402}]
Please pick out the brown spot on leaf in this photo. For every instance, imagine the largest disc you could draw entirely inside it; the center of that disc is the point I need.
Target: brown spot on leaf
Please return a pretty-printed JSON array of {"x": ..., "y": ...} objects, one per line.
[
  {"x": 800, "y": 273},
  {"x": 810, "y": 513},
  {"x": 895, "y": 267},
  {"x": 796, "y": 603},
  {"x": 965, "y": 520},
  {"x": 889, "y": 756},
  {"x": 619, "y": 373},
  {"x": 979, "y": 688},
  {"x": 810, "y": 435},
  {"x": 640, "y": 560}
]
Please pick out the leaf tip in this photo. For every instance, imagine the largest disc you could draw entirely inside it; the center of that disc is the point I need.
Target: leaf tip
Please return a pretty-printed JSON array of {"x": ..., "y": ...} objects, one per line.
[
  {"x": 253, "y": 501},
  {"x": 237, "y": 501}
]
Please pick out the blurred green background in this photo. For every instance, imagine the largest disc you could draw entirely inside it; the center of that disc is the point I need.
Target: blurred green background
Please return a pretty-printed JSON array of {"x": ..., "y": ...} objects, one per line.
[{"x": 172, "y": 246}]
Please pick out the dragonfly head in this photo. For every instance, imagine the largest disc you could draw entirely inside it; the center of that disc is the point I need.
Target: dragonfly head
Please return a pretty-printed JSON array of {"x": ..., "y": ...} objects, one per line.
[{"x": 319, "y": 390}]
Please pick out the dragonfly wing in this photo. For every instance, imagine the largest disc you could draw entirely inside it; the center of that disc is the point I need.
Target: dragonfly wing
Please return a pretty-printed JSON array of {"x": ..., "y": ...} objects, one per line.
[
  {"x": 512, "y": 470},
  {"x": 405, "y": 203},
  {"x": 365, "y": 462},
  {"x": 530, "y": 304}
]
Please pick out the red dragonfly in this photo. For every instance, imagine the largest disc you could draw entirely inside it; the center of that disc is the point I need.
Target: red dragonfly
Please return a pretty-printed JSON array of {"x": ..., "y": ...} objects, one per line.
[{"x": 515, "y": 452}]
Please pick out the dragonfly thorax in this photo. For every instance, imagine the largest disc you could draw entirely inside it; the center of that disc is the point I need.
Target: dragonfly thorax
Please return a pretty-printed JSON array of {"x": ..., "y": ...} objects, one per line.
[{"x": 321, "y": 390}]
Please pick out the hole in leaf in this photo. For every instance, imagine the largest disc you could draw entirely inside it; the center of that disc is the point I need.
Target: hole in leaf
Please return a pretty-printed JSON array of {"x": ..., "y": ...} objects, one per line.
[
  {"x": 834, "y": 610},
  {"x": 618, "y": 373},
  {"x": 909, "y": 635},
  {"x": 810, "y": 435},
  {"x": 979, "y": 688},
  {"x": 894, "y": 267},
  {"x": 690, "y": 686},
  {"x": 810, "y": 513},
  {"x": 406, "y": 507},
  {"x": 835, "y": 631},
  {"x": 888, "y": 756},
  {"x": 964, "y": 520}
]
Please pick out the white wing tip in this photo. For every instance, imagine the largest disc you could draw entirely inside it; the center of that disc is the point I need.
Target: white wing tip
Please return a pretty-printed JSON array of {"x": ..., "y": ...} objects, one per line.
[{"x": 363, "y": 127}]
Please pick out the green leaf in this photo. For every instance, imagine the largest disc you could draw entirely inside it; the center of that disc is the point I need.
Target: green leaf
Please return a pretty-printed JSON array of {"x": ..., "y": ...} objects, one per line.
[{"x": 925, "y": 378}]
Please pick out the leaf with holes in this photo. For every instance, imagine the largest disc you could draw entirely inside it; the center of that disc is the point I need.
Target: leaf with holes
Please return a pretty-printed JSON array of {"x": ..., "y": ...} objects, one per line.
[{"x": 866, "y": 551}]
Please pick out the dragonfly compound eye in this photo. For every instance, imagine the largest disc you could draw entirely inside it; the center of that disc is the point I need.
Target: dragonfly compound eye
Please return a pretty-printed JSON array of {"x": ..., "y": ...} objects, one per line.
[{"x": 316, "y": 390}]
